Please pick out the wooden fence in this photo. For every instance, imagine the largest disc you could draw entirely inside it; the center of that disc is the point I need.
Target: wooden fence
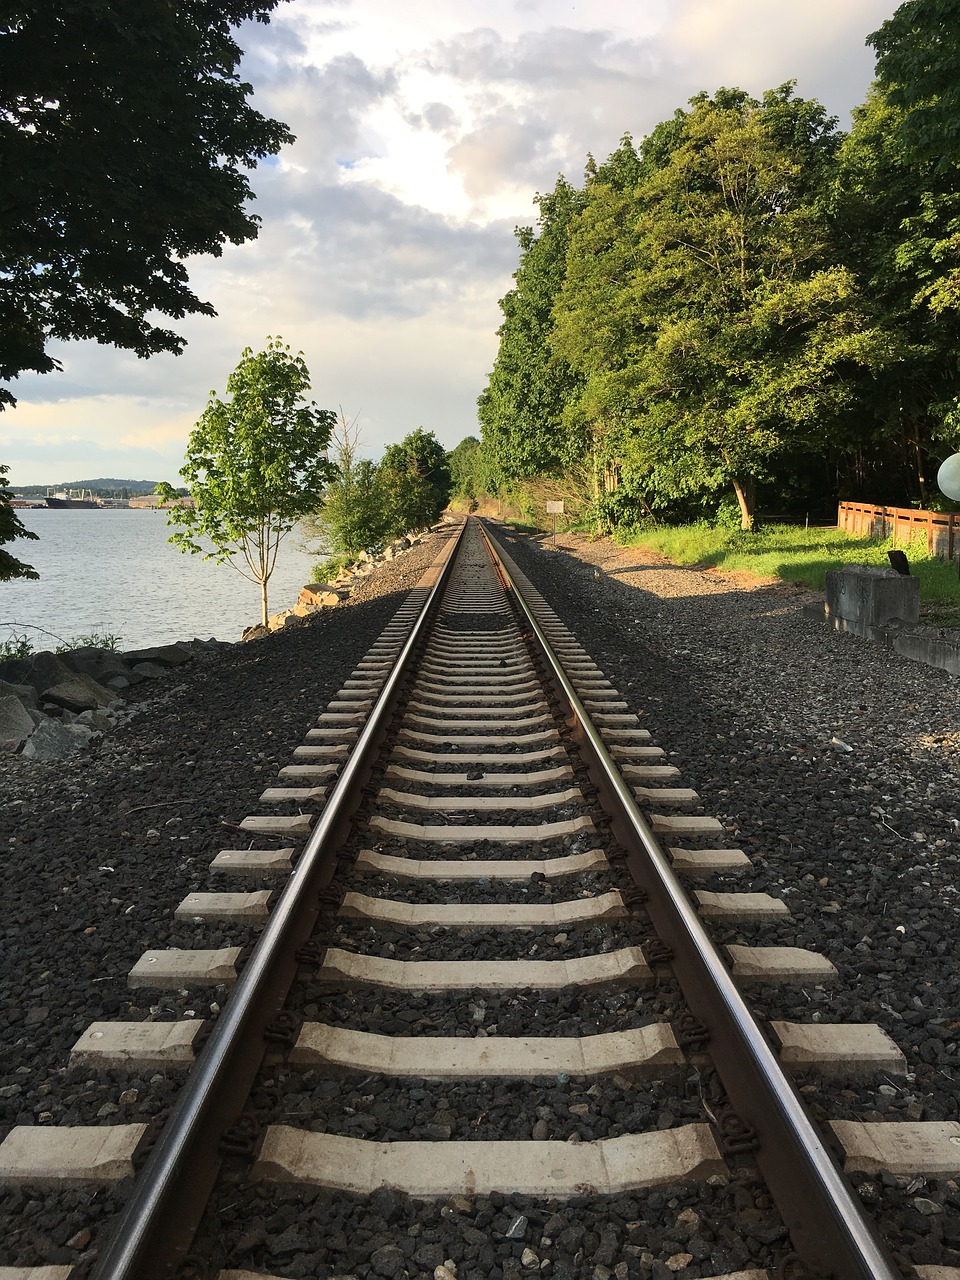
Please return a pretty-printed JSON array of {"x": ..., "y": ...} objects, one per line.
[{"x": 940, "y": 528}]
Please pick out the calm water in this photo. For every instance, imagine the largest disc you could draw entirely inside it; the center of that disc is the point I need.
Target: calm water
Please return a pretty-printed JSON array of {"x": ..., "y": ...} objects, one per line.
[{"x": 114, "y": 572}]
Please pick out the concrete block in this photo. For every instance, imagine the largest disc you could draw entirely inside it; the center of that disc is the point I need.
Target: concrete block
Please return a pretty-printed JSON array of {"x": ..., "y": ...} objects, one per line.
[
  {"x": 178, "y": 968},
  {"x": 68, "y": 1156},
  {"x": 851, "y": 1050},
  {"x": 484, "y": 915},
  {"x": 642, "y": 1052},
  {"x": 866, "y": 597},
  {"x": 626, "y": 967},
  {"x": 159, "y": 1045},
  {"x": 244, "y": 862},
  {"x": 426, "y": 1170},
  {"x": 250, "y": 908},
  {"x": 928, "y": 1147},
  {"x": 793, "y": 965},
  {"x": 571, "y": 864}
]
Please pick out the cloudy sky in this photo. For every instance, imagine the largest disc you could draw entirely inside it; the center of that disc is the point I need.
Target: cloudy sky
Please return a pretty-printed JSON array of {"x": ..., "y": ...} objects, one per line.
[{"x": 423, "y": 132}]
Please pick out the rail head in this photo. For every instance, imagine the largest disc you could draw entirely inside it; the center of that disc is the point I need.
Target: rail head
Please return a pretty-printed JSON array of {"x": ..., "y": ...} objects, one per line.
[{"x": 827, "y": 1224}]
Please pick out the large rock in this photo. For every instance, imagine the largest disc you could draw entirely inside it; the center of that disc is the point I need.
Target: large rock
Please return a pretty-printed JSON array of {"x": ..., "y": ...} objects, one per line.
[
  {"x": 52, "y": 740},
  {"x": 22, "y": 692},
  {"x": 165, "y": 655},
  {"x": 79, "y": 693},
  {"x": 318, "y": 595},
  {"x": 100, "y": 664},
  {"x": 39, "y": 671},
  {"x": 16, "y": 722}
]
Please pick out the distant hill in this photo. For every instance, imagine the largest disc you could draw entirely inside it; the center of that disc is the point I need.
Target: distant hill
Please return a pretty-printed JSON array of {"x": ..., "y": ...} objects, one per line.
[{"x": 105, "y": 486}]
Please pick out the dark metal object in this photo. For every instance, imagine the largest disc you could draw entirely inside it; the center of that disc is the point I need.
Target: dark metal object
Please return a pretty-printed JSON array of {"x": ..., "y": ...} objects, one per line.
[
  {"x": 820, "y": 1209},
  {"x": 898, "y": 561},
  {"x": 156, "y": 1226}
]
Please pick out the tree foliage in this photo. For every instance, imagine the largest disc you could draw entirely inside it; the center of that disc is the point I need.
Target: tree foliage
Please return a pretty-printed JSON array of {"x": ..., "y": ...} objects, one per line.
[
  {"x": 521, "y": 410},
  {"x": 353, "y": 517},
  {"x": 255, "y": 465},
  {"x": 124, "y": 130},
  {"x": 918, "y": 63},
  {"x": 11, "y": 528},
  {"x": 745, "y": 300},
  {"x": 415, "y": 481}
]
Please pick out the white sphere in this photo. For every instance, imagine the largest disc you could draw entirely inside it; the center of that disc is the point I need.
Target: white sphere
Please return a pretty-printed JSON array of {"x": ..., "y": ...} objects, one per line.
[{"x": 948, "y": 477}]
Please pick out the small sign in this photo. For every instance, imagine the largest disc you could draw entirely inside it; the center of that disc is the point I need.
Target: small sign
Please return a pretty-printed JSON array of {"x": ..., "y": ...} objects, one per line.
[{"x": 555, "y": 508}]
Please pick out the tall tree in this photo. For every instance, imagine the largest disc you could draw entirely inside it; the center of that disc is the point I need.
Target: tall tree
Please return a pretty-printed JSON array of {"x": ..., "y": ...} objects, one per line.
[
  {"x": 891, "y": 212},
  {"x": 918, "y": 64},
  {"x": 521, "y": 409},
  {"x": 415, "y": 477},
  {"x": 255, "y": 465},
  {"x": 124, "y": 129},
  {"x": 726, "y": 338}
]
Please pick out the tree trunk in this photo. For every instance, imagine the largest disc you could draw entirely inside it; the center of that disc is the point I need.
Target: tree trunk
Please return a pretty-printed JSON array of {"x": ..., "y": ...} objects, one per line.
[
  {"x": 918, "y": 453},
  {"x": 263, "y": 602},
  {"x": 746, "y": 491}
]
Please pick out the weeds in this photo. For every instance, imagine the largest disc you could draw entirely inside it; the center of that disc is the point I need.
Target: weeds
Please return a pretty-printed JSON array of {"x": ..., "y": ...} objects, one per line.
[{"x": 18, "y": 645}]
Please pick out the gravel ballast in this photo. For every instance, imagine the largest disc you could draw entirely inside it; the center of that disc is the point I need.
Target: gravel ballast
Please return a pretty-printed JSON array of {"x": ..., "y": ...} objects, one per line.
[{"x": 754, "y": 701}]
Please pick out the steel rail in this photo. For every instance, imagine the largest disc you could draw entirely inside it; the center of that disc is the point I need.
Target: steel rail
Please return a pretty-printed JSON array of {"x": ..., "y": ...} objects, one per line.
[
  {"x": 155, "y": 1228},
  {"x": 827, "y": 1225}
]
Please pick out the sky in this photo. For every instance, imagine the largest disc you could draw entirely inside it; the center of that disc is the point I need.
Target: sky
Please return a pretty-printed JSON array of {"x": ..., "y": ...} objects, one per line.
[{"x": 424, "y": 131}]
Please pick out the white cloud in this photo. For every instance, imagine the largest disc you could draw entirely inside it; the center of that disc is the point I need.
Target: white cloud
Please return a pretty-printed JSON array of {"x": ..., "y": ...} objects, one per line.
[{"x": 423, "y": 132}]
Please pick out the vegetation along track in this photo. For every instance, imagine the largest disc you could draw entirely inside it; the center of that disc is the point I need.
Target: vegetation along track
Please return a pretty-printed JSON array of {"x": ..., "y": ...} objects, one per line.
[{"x": 484, "y": 1031}]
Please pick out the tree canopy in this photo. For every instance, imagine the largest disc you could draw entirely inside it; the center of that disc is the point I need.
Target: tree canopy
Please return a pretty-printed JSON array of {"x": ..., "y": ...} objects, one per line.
[
  {"x": 746, "y": 300},
  {"x": 124, "y": 130},
  {"x": 918, "y": 63},
  {"x": 255, "y": 464},
  {"x": 415, "y": 479}
]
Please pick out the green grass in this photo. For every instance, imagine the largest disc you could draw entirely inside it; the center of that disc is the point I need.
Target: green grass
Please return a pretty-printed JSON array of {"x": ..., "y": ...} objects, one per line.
[{"x": 803, "y": 556}]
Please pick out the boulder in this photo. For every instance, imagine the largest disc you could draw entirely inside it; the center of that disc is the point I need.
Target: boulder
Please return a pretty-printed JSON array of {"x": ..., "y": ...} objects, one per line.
[
  {"x": 39, "y": 671},
  {"x": 16, "y": 723},
  {"x": 148, "y": 670},
  {"x": 318, "y": 595},
  {"x": 52, "y": 740},
  {"x": 79, "y": 693},
  {"x": 256, "y": 632},
  {"x": 22, "y": 692},
  {"x": 97, "y": 663},
  {"x": 164, "y": 655}
]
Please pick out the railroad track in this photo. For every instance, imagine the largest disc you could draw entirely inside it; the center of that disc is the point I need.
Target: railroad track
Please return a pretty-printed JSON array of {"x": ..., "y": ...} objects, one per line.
[{"x": 484, "y": 1031}]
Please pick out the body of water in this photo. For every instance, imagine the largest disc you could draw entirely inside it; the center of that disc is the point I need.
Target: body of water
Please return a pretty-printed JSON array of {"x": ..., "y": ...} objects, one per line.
[{"x": 114, "y": 572}]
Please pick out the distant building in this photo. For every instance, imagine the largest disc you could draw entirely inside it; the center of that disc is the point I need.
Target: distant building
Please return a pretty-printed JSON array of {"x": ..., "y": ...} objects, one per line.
[{"x": 151, "y": 501}]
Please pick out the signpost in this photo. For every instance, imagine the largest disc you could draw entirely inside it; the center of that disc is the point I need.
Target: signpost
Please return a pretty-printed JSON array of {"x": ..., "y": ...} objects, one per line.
[{"x": 555, "y": 509}]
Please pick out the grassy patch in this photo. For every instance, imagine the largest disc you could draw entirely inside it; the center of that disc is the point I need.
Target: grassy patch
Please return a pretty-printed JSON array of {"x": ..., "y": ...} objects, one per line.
[{"x": 803, "y": 556}]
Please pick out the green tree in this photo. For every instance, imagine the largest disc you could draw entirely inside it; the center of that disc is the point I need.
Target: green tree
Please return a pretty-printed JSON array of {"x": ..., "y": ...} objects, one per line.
[
  {"x": 415, "y": 478},
  {"x": 124, "y": 129},
  {"x": 464, "y": 464},
  {"x": 521, "y": 409},
  {"x": 891, "y": 213},
  {"x": 728, "y": 333},
  {"x": 255, "y": 465},
  {"x": 353, "y": 517},
  {"x": 918, "y": 64},
  {"x": 11, "y": 528}
]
